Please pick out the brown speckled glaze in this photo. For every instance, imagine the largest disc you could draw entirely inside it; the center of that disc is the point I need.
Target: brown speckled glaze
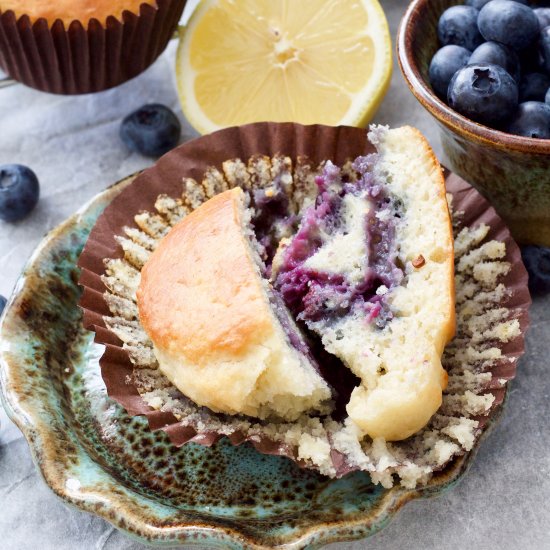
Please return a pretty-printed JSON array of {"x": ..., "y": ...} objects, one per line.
[
  {"x": 95, "y": 456},
  {"x": 513, "y": 172}
]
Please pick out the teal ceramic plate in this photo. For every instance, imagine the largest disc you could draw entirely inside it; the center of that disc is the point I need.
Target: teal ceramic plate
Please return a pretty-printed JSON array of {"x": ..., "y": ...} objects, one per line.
[{"x": 94, "y": 456}]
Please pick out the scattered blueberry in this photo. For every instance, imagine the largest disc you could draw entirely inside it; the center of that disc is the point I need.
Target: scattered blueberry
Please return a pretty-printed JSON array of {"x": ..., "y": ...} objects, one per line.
[
  {"x": 509, "y": 22},
  {"x": 151, "y": 130},
  {"x": 444, "y": 65},
  {"x": 458, "y": 25},
  {"x": 3, "y": 303},
  {"x": 485, "y": 93},
  {"x": 537, "y": 263},
  {"x": 543, "y": 15},
  {"x": 533, "y": 87},
  {"x": 19, "y": 192},
  {"x": 532, "y": 119},
  {"x": 498, "y": 54},
  {"x": 544, "y": 45}
]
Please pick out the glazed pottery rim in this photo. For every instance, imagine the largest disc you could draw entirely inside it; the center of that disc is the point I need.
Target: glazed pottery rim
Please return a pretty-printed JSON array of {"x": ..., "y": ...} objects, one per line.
[
  {"x": 459, "y": 124},
  {"x": 38, "y": 437}
]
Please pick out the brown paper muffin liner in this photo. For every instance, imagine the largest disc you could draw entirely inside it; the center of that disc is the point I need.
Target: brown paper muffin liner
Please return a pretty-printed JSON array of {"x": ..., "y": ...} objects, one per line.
[
  {"x": 492, "y": 314},
  {"x": 80, "y": 59}
]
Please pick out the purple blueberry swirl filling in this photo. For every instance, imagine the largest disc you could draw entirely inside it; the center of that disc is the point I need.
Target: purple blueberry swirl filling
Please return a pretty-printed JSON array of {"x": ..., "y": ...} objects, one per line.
[
  {"x": 300, "y": 292},
  {"x": 313, "y": 293},
  {"x": 340, "y": 379}
]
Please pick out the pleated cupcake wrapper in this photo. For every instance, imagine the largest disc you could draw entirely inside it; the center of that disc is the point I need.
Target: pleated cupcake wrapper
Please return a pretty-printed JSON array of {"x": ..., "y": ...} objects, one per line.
[
  {"x": 318, "y": 143},
  {"x": 79, "y": 59}
]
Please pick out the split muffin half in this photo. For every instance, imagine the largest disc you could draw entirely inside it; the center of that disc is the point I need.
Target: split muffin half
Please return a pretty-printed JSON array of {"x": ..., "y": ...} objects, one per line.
[
  {"x": 370, "y": 270},
  {"x": 221, "y": 334}
]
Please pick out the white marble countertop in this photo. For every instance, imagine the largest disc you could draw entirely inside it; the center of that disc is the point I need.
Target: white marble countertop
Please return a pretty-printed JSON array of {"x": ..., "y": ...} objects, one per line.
[{"x": 72, "y": 144}]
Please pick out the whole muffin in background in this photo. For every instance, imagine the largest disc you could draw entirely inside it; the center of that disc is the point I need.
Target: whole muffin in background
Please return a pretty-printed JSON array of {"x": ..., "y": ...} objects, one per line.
[{"x": 80, "y": 46}]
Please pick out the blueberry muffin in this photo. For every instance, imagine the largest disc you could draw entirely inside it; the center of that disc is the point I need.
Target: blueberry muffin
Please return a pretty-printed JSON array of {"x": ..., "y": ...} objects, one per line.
[
  {"x": 76, "y": 47},
  {"x": 306, "y": 308}
]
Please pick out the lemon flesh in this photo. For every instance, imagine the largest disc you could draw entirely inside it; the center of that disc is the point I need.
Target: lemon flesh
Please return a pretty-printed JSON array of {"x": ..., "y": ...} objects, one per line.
[{"x": 307, "y": 61}]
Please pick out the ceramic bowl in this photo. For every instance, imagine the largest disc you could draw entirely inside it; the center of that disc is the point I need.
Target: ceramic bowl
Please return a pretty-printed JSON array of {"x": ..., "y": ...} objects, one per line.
[
  {"x": 513, "y": 172},
  {"x": 96, "y": 457}
]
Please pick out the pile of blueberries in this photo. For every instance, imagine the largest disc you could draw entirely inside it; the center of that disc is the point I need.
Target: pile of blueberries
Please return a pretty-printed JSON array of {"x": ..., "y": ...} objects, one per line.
[{"x": 494, "y": 64}]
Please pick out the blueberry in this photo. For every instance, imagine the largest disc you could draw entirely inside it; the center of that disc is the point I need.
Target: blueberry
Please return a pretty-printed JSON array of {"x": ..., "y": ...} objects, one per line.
[
  {"x": 478, "y": 4},
  {"x": 484, "y": 92},
  {"x": 458, "y": 25},
  {"x": 498, "y": 54},
  {"x": 444, "y": 65},
  {"x": 532, "y": 119},
  {"x": 508, "y": 22},
  {"x": 543, "y": 15},
  {"x": 152, "y": 130},
  {"x": 537, "y": 263},
  {"x": 547, "y": 97},
  {"x": 530, "y": 59},
  {"x": 544, "y": 44},
  {"x": 533, "y": 87},
  {"x": 3, "y": 303},
  {"x": 19, "y": 191}
]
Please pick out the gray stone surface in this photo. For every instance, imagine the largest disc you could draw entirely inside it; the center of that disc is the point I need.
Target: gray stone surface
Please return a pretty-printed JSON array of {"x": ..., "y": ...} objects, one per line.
[{"x": 73, "y": 145}]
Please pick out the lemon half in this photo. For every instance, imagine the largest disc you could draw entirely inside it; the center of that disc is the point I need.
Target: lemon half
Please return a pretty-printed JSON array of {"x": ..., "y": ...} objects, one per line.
[{"x": 307, "y": 61}]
